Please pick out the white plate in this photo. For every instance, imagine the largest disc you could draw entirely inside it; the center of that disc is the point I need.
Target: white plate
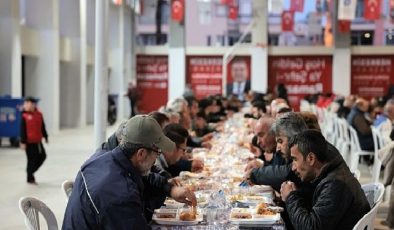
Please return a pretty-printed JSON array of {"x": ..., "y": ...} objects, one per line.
[
  {"x": 176, "y": 221},
  {"x": 268, "y": 219}
]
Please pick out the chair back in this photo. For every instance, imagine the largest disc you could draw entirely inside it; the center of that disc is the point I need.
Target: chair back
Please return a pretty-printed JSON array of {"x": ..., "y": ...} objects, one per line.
[
  {"x": 67, "y": 187},
  {"x": 373, "y": 192},
  {"x": 379, "y": 143},
  {"x": 31, "y": 208},
  {"x": 367, "y": 221}
]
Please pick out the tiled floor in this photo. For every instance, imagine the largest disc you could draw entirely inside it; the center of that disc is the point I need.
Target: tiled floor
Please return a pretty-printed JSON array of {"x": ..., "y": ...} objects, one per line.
[{"x": 66, "y": 151}]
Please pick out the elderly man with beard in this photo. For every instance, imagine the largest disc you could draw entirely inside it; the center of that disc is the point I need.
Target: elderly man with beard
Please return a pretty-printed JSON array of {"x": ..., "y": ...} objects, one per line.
[
  {"x": 338, "y": 201},
  {"x": 109, "y": 190}
]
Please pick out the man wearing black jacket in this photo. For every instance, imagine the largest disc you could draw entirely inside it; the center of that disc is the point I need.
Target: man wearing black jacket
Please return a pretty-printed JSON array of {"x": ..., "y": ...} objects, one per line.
[{"x": 338, "y": 201}]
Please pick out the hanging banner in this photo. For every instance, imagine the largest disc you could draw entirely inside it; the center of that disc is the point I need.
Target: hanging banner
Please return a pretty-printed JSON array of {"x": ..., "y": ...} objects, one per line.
[
  {"x": 204, "y": 74},
  {"x": 287, "y": 21},
  {"x": 152, "y": 82},
  {"x": 238, "y": 76},
  {"x": 177, "y": 10},
  {"x": 275, "y": 6},
  {"x": 297, "y": 5},
  {"x": 372, "y": 9},
  {"x": 347, "y": 9},
  {"x": 391, "y": 10},
  {"x": 344, "y": 26},
  {"x": 371, "y": 75},
  {"x": 302, "y": 75},
  {"x": 232, "y": 12}
]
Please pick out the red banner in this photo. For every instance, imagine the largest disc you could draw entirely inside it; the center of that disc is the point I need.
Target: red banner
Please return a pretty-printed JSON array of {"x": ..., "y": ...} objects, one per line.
[
  {"x": 204, "y": 74},
  {"x": 152, "y": 82},
  {"x": 372, "y": 9},
  {"x": 177, "y": 10},
  {"x": 287, "y": 21},
  {"x": 344, "y": 26},
  {"x": 371, "y": 75},
  {"x": 302, "y": 76},
  {"x": 391, "y": 10},
  {"x": 238, "y": 76},
  {"x": 297, "y": 5},
  {"x": 232, "y": 12}
]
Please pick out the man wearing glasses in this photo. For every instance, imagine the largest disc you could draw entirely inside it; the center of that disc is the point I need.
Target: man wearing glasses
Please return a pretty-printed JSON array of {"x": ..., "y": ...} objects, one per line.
[{"x": 109, "y": 190}]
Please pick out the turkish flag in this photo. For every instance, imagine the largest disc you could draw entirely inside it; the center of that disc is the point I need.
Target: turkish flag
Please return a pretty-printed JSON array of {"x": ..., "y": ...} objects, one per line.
[
  {"x": 232, "y": 12},
  {"x": 287, "y": 21},
  {"x": 297, "y": 5},
  {"x": 391, "y": 12},
  {"x": 372, "y": 9},
  {"x": 344, "y": 26},
  {"x": 227, "y": 2},
  {"x": 177, "y": 10}
]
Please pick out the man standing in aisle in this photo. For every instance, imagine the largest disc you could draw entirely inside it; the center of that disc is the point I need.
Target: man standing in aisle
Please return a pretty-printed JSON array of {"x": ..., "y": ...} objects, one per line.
[{"x": 32, "y": 132}]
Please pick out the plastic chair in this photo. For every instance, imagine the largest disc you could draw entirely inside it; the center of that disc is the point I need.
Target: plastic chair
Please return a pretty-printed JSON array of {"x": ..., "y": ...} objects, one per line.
[
  {"x": 367, "y": 221},
  {"x": 374, "y": 192},
  {"x": 379, "y": 143},
  {"x": 355, "y": 149},
  {"x": 67, "y": 187},
  {"x": 31, "y": 207},
  {"x": 343, "y": 143},
  {"x": 357, "y": 174}
]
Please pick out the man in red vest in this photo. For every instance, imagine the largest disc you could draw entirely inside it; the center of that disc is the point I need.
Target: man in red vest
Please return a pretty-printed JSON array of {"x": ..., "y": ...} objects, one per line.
[{"x": 32, "y": 132}]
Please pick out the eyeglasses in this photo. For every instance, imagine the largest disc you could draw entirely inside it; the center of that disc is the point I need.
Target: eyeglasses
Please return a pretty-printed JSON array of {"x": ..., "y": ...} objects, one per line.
[
  {"x": 183, "y": 149},
  {"x": 157, "y": 151}
]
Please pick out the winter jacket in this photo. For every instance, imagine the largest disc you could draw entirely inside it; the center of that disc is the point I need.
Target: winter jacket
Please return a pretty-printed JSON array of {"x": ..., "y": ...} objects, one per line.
[
  {"x": 110, "y": 194},
  {"x": 338, "y": 201}
]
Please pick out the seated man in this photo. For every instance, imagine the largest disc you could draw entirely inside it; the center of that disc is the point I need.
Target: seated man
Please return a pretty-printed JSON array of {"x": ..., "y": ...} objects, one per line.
[
  {"x": 109, "y": 189},
  {"x": 338, "y": 201},
  {"x": 178, "y": 135}
]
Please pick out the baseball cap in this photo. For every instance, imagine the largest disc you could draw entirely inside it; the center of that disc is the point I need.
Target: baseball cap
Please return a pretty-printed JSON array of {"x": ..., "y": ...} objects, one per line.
[{"x": 143, "y": 129}]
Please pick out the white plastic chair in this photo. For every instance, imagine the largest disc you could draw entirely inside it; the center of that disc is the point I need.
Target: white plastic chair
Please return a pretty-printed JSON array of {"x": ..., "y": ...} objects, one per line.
[
  {"x": 357, "y": 174},
  {"x": 374, "y": 192},
  {"x": 355, "y": 149},
  {"x": 343, "y": 143},
  {"x": 379, "y": 143},
  {"x": 367, "y": 221},
  {"x": 31, "y": 207},
  {"x": 67, "y": 187}
]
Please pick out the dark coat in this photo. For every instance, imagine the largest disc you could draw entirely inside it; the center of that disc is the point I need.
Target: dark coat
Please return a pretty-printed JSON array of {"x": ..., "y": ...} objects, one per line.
[
  {"x": 113, "y": 195},
  {"x": 362, "y": 126},
  {"x": 338, "y": 200}
]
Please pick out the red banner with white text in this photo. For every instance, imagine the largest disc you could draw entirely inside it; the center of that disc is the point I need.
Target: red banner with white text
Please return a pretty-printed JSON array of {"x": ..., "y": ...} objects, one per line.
[
  {"x": 371, "y": 75},
  {"x": 204, "y": 74},
  {"x": 302, "y": 75},
  {"x": 152, "y": 82}
]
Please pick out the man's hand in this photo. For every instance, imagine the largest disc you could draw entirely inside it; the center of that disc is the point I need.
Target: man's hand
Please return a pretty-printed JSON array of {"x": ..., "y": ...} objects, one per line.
[
  {"x": 286, "y": 188},
  {"x": 254, "y": 164},
  {"x": 207, "y": 137},
  {"x": 206, "y": 145},
  {"x": 22, "y": 146},
  {"x": 174, "y": 182},
  {"x": 197, "y": 165},
  {"x": 183, "y": 195}
]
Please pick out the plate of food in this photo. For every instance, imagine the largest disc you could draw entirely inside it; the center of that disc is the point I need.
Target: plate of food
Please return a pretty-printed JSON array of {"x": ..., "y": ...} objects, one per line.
[
  {"x": 183, "y": 216},
  {"x": 255, "y": 216}
]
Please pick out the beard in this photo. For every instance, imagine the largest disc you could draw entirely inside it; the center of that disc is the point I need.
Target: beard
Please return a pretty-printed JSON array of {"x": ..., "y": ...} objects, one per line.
[{"x": 144, "y": 168}]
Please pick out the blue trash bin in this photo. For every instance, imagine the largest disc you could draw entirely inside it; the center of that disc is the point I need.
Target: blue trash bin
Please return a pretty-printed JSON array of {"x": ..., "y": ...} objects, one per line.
[{"x": 10, "y": 118}]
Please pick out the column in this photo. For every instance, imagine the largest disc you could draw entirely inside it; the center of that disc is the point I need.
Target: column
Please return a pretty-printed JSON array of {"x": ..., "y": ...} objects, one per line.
[
  {"x": 341, "y": 65},
  {"x": 100, "y": 72},
  {"x": 10, "y": 49},
  {"x": 83, "y": 62},
  {"x": 259, "y": 54},
  {"x": 43, "y": 79},
  {"x": 176, "y": 58}
]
